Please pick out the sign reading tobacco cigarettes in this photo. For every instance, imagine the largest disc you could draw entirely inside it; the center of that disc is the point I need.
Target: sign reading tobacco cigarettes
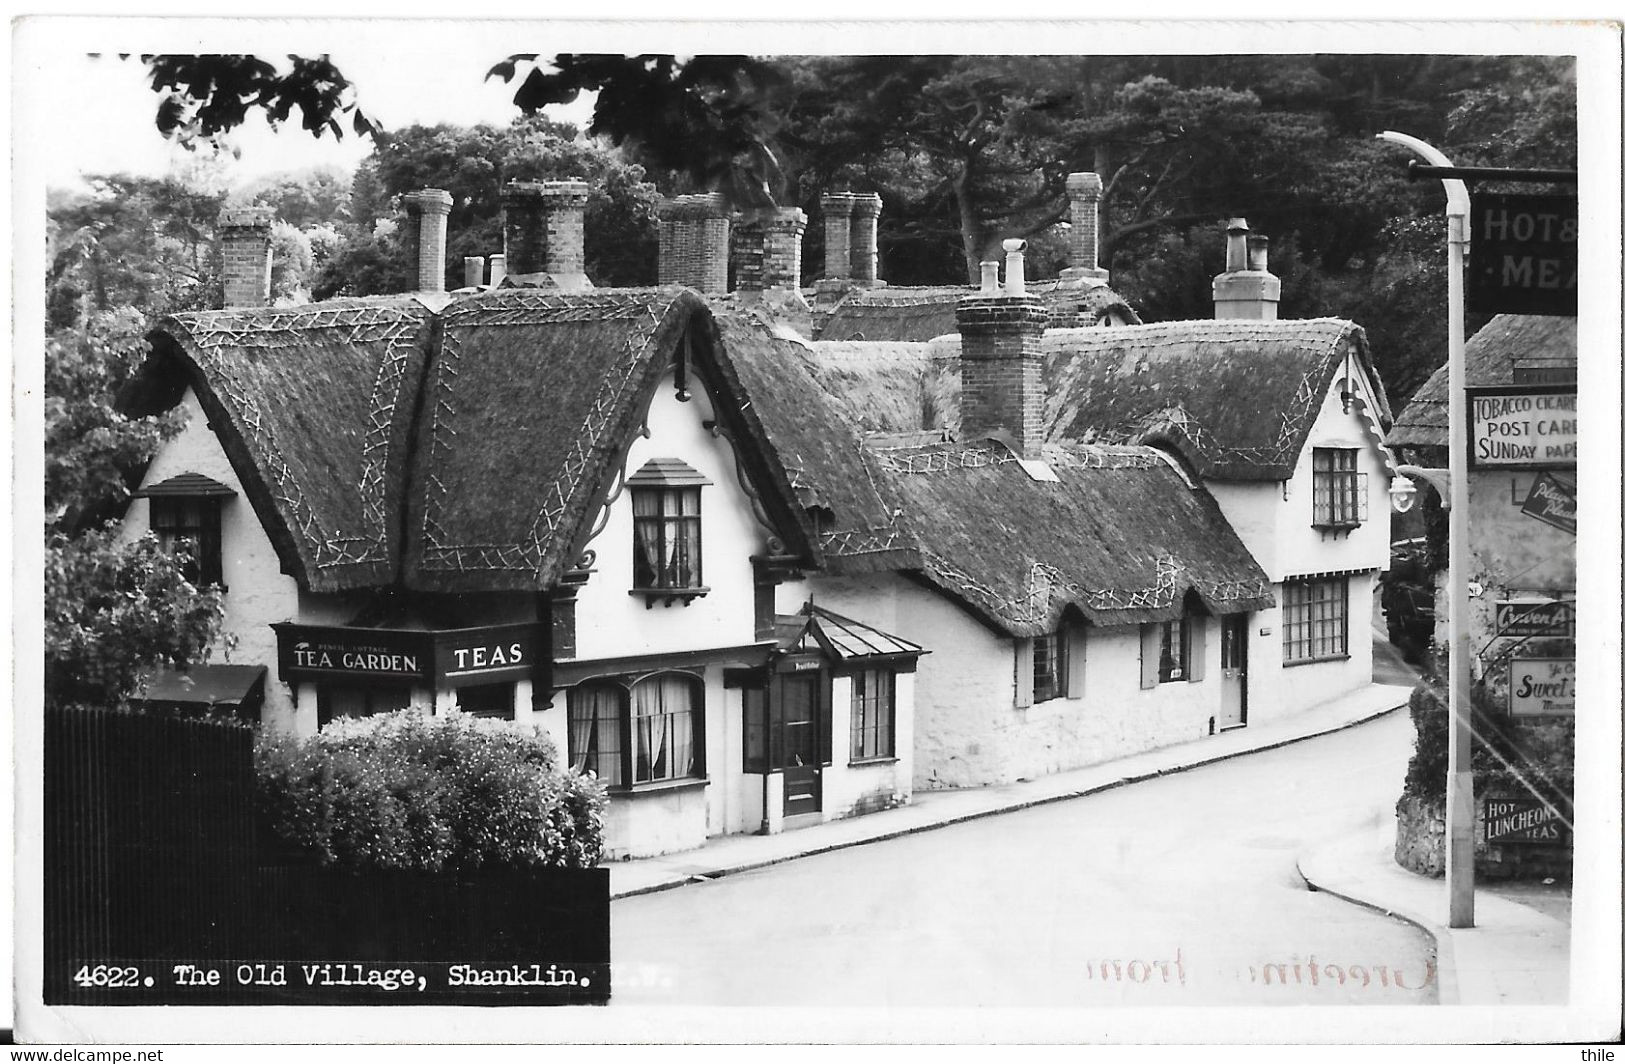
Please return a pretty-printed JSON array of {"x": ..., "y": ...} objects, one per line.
[
  {"x": 1540, "y": 687},
  {"x": 1524, "y": 255},
  {"x": 1522, "y": 427}
]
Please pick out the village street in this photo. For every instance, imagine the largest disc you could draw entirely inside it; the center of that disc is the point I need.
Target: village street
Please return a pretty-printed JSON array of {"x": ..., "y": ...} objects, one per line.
[{"x": 1175, "y": 891}]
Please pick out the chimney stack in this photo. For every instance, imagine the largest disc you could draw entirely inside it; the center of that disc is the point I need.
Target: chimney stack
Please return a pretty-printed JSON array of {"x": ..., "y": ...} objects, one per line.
[
  {"x": 544, "y": 232},
  {"x": 694, "y": 234},
  {"x": 245, "y": 255},
  {"x": 427, "y": 209},
  {"x": 1246, "y": 289},
  {"x": 769, "y": 264},
  {"x": 866, "y": 239},
  {"x": 1083, "y": 197},
  {"x": 837, "y": 208},
  {"x": 1002, "y": 361}
]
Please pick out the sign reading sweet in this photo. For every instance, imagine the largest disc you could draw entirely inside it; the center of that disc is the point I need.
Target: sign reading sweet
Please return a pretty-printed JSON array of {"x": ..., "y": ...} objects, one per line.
[
  {"x": 1522, "y": 427},
  {"x": 1540, "y": 687}
]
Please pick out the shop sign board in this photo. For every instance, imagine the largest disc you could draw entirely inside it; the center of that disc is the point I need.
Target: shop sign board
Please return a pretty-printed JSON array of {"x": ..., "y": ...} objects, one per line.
[
  {"x": 1535, "y": 617},
  {"x": 446, "y": 658},
  {"x": 1521, "y": 820},
  {"x": 1526, "y": 426},
  {"x": 1540, "y": 687},
  {"x": 1524, "y": 254},
  {"x": 1551, "y": 501}
]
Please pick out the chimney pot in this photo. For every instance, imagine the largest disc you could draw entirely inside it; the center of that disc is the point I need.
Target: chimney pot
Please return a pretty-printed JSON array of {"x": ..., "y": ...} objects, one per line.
[
  {"x": 245, "y": 255},
  {"x": 1015, "y": 268},
  {"x": 990, "y": 278},
  {"x": 1235, "y": 249},
  {"x": 473, "y": 271},
  {"x": 1258, "y": 253},
  {"x": 1246, "y": 289},
  {"x": 499, "y": 269}
]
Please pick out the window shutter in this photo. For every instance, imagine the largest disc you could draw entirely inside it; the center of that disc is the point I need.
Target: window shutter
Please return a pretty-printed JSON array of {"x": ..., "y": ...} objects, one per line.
[
  {"x": 1077, "y": 645},
  {"x": 1024, "y": 673},
  {"x": 1196, "y": 668},
  {"x": 1150, "y": 650}
]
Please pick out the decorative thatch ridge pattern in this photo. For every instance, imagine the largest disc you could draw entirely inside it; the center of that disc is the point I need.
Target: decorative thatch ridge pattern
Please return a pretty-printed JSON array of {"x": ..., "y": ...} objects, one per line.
[
  {"x": 257, "y": 374},
  {"x": 1491, "y": 354},
  {"x": 922, "y": 313}
]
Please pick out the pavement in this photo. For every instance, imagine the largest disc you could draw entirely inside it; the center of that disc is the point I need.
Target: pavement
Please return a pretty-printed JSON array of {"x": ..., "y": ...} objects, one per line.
[
  {"x": 1514, "y": 955},
  {"x": 938, "y": 808}
]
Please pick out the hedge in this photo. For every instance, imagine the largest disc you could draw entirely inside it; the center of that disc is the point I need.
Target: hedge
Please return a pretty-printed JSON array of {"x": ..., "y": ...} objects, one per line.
[{"x": 450, "y": 793}]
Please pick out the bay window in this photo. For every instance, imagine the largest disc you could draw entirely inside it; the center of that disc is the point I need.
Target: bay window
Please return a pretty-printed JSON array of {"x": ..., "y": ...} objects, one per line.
[{"x": 650, "y": 732}]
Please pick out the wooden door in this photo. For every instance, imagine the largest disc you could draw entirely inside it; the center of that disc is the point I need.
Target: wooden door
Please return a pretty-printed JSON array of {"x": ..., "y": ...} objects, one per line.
[
  {"x": 798, "y": 700},
  {"x": 1233, "y": 666}
]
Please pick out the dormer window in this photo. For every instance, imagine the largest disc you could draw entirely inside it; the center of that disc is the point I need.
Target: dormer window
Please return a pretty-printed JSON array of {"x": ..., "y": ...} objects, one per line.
[
  {"x": 666, "y": 531},
  {"x": 1339, "y": 495},
  {"x": 184, "y": 514}
]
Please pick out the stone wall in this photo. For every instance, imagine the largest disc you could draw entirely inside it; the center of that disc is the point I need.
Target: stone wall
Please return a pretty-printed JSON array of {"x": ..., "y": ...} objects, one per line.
[{"x": 1419, "y": 845}]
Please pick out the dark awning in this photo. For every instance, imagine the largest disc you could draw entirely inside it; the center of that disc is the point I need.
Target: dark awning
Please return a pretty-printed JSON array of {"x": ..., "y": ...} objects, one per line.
[{"x": 235, "y": 687}]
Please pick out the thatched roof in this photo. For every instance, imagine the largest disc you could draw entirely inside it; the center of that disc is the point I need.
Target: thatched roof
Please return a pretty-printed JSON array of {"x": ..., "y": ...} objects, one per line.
[
  {"x": 489, "y": 432},
  {"x": 1235, "y": 398},
  {"x": 888, "y": 314},
  {"x": 1120, "y": 538},
  {"x": 313, "y": 406},
  {"x": 1506, "y": 343}
]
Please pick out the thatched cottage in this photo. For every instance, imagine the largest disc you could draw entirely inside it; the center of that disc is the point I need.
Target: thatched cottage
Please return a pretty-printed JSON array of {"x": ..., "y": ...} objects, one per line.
[{"x": 751, "y": 579}]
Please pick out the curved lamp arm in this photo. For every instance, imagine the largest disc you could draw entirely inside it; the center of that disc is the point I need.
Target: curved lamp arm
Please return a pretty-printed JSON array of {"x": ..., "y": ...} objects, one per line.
[{"x": 1454, "y": 189}]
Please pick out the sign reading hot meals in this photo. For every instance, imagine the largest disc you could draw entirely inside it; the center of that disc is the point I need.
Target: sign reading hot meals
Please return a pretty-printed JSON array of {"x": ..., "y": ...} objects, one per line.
[
  {"x": 1526, "y": 426},
  {"x": 1525, "y": 254}
]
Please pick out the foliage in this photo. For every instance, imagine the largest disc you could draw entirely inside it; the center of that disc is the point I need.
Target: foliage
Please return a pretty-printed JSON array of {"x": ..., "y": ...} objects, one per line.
[
  {"x": 1509, "y": 756},
  {"x": 204, "y": 96},
  {"x": 404, "y": 790},
  {"x": 115, "y": 611},
  {"x": 319, "y": 195}
]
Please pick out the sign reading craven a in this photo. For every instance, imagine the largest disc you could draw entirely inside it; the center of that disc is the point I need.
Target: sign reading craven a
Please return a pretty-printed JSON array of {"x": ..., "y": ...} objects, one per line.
[
  {"x": 1521, "y": 820},
  {"x": 1525, "y": 255},
  {"x": 1540, "y": 687},
  {"x": 1545, "y": 617},
  {"x": 447, "y": 658},
  {"x": 1522, "y": 427}
]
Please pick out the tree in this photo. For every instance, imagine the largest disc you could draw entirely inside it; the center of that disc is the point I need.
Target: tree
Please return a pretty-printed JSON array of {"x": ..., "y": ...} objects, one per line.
[{"x": 205, "y": 96}]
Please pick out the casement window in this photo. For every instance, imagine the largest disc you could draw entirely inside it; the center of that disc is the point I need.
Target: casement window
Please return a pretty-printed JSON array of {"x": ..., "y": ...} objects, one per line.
[
  {"x": 487, "y": 700},
  {"x": 1049, "y": 666},
  {"x": 190, "y": 523},
  {"x": 1339, "y": 501},
  {"x": 666, "y": 539},
  {"x": 1173, "y": 651},
  {"x": 651, "y": 732},
  {"x": 338, "y": 700},
  {"x": 874, "y": 714},
  {"x": 1314, "y": 619}
]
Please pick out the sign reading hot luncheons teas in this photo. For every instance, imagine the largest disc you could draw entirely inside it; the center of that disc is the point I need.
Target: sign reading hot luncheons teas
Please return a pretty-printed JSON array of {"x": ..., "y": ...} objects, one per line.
[
  {"x": 1540, "y": 687},
  {"x": 1521, "y": 820},
  {"x": 445, "y": 658},
  {"x": 1522, "y": 427}
]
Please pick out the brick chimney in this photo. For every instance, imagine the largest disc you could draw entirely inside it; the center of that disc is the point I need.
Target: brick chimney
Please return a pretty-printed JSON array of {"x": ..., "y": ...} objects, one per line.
[
  {"x": 837, "y": 208},
  {"x": 245, "y": 255},
  {"x": 865, "y": 239},
  {"x": 427, "y": 210},
  {"x": 1002, "y": 360},
  {"x": 694, "y": 236},
  {"x": 1083, "y": 198},
  {"x": 544, "y": 232},
  {"x": 1246, "y": 289},
  {"x": 768, "y": 267}
]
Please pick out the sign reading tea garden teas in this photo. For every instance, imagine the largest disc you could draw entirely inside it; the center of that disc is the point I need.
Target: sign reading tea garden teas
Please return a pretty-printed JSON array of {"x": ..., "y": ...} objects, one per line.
[
  {"x": 452, "y": 657},
  {"x": 1540, "y": 687},
  {"x": 1524, "y": 255},
  {"x": 1521, "y": 820},
  {"x": 1522, "y": 427}
]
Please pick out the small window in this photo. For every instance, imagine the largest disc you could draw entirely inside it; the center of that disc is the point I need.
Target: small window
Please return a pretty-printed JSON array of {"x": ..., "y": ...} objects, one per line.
[
  {"x": 1173, "y": 652},
  {"x": 874, "y": 714},
  {"x": 597, "y": 724},
  {"x": 1338, "y": 500},
  {"x": 335, "y": 700},
  {"x": 665, "y": 729},
  {"x": 487, "y": 700},
  {"x": 1049, "y": 667},
  {"x": 1314, "y": 619},
  {"x": 190, "y": 523},
  {"x": 666, "y": 539}
]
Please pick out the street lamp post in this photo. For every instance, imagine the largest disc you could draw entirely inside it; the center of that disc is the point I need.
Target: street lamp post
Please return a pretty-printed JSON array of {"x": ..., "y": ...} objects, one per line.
[{"x": 1458, "y": 815}]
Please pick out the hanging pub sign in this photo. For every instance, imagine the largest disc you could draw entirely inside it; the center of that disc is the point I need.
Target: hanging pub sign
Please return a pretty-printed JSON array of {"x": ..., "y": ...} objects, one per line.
[
  {"x": 1521, "y": 820},
  {"x": 1552, "y": 501},
  {"x": 1535, "y": 617},
  {"x": 1540, "y": 687},
  {"x": 1527, "y": 426},
  {"x": 1524, "y": 254},
  {"x": 452, "y": 657}
]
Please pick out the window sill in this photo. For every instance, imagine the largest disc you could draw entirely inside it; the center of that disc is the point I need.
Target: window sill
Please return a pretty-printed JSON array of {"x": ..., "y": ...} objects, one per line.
[
  {"x": 1049, "y": 698},
  {"x": 1336, "y": 526},
  {"x": 671, "y": 595},
  {"x": 890, "y": 759},
  {"x": 663, "y": 786},
  {"x": 1314, "y": 661}
]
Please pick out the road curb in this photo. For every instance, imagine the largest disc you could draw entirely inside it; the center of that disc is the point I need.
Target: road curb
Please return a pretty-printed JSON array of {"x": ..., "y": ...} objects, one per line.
[
  {"x": 719, "y": 873},
  {"x": 1444, "y": 955}
]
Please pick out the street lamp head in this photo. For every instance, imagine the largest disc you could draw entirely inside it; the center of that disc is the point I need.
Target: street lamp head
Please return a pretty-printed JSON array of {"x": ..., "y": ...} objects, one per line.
[{"x": 1402, "y": 494}]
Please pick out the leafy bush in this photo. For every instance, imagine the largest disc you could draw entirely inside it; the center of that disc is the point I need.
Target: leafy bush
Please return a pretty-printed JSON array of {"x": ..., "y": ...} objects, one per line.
[
  {"x": 1509, "y": 757},
  {"x": 404, "y": 790}
]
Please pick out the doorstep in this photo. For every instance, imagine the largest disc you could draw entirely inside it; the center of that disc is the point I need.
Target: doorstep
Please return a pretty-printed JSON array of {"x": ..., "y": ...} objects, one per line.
[{"x": 729, "y": 854}]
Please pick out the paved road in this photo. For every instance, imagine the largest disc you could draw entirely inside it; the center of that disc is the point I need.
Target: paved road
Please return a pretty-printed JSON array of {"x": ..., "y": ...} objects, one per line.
[{"x": 1177, "y": 891}]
